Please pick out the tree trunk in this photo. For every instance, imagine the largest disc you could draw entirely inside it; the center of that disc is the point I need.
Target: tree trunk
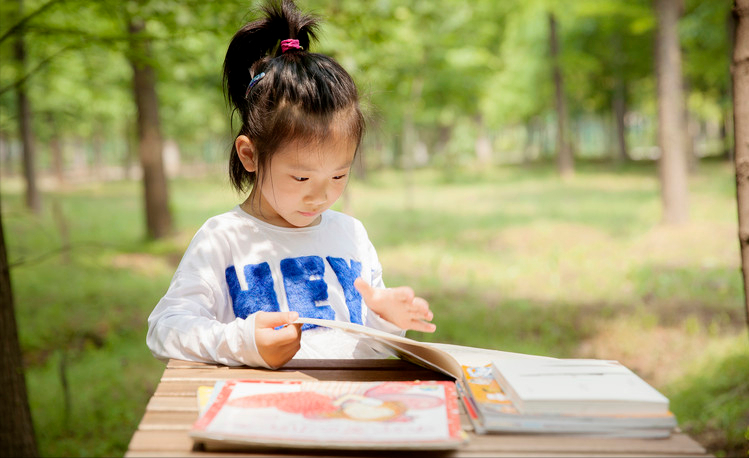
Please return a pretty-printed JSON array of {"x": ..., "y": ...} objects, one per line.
[
  {"x": 726, "y": 132},
  {"x": 16, "y": 428},
  {"x": 740, "y": 73},
  {"x": 483, "y": 143},
  {"x": 727, "y": 126},
  {"x": 6, "y": 154},
  {"x": 131, "y": 149},
  {"x": 531, "y": 128},
  {"x": 565, "y": 160},
  {"x": 150, "y": 144},
  {"x": 671, "y": 125},
  {"x": 444, "y": 133},
  {"x": 620, "y": 111},
  {"x": 691, "y": 131},
  {"x": 55, "y": 146},
  {"x": 97, "y": 150},
  {"x": 33, "y": 199}
]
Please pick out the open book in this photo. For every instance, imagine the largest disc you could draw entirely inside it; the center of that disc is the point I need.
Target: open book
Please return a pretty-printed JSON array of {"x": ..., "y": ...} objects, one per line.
[
  {"x": 445, "y": 358},
  {"x": 331, "y": 415},
  {"x": 487, "y": 406}
]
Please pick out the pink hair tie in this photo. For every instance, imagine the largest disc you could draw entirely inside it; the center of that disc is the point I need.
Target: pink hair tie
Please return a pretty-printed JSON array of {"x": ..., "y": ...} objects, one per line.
[{"x": 291, "y": 43}]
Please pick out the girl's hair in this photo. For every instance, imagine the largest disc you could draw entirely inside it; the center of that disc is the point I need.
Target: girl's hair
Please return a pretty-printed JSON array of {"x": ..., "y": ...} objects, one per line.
[{"x": 300, "y": 97}]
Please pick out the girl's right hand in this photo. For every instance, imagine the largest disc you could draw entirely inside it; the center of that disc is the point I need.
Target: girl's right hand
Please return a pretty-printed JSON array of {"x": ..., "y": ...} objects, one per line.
[{"x": 277, "y": 346}]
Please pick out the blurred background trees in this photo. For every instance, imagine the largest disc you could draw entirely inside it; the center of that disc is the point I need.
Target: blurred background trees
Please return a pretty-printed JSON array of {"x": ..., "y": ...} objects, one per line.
[
  {"x": 105, "y": 89},
  {"x": 101, "y": 98}
]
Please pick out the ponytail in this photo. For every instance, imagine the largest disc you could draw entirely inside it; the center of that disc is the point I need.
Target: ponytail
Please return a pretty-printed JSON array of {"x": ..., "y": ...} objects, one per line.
[
  {"x": 284, "y": 94},
  {"x": 258, "y": 40}
]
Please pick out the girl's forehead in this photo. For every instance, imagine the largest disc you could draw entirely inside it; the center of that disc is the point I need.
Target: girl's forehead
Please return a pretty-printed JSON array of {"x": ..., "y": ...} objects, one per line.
[{"x": 332, "y": 152}]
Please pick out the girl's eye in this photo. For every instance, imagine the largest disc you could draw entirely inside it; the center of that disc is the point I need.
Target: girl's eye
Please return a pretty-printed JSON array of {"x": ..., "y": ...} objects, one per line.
[
  {"x": 300, "y": 178},
  {"x": 339, "y": 177}
]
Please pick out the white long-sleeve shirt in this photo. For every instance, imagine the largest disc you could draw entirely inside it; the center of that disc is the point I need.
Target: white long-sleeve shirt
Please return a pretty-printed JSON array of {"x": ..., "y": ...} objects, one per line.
[{"x": 237, "y": 265}]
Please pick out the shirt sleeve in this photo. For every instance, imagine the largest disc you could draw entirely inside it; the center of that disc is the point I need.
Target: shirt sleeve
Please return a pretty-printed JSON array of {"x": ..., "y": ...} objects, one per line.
[{"x": 194, "y": 322}]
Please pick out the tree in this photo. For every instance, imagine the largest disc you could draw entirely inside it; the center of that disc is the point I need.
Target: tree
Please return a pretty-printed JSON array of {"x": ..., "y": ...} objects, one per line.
[
  {"x": 33, "y": 199},
  {"x": 671, "y": 122},
  {"x": 150, "y": 143},
  {"x": 565, "y": 160},
  {"x": 740, "y": 71},
  {"x": 16, "y": 428}
]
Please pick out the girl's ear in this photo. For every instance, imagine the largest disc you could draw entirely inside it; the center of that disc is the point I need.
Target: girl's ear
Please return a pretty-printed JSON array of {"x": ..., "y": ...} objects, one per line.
[{"x": 246, "y": 153}]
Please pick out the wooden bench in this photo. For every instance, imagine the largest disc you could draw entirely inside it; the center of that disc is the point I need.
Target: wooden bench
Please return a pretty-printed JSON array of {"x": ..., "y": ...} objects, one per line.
[{"x": 173, "y": 409}]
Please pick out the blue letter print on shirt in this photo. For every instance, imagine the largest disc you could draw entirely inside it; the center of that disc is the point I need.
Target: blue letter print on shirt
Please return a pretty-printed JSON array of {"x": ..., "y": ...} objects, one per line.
[
  {"x": 303, "y": 280},
  {"x": 259, "y": 296},
  {"x": 346, "y": 275},
  {"x": 304, "y": 285}
]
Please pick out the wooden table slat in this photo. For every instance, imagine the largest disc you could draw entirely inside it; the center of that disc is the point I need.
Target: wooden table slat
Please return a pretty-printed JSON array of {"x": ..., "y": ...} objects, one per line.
[
  {"x": 154, "y": 420},
  {"x": 173, "y": 404},
  {"x": 211, "y": 376}
]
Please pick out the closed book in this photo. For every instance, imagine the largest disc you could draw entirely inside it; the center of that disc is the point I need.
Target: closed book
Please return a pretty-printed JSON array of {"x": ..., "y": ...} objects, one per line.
[{"x": 577, "y": 386}]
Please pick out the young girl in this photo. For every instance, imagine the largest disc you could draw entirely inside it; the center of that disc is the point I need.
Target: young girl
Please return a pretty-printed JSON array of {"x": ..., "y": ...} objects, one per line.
[{"x": 282, "y": 253}]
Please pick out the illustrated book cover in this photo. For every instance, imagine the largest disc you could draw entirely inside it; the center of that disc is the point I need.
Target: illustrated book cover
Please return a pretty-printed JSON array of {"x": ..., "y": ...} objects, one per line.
[{"x": 331, "y": 415}]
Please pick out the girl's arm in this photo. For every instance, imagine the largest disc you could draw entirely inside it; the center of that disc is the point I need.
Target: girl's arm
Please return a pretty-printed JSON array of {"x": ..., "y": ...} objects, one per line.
[
  {"x": 184, "y": 325},
  {"x": 195, "y": 320}
]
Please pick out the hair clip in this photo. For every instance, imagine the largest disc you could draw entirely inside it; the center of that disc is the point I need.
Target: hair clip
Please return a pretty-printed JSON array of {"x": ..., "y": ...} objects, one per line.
[
  {"x": 291, "y": 43},
  {"x": 253, "y": 82}
]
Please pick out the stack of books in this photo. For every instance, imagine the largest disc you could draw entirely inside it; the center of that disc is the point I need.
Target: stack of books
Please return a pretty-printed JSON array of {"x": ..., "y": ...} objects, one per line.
[{"x": 566, "y": 396}]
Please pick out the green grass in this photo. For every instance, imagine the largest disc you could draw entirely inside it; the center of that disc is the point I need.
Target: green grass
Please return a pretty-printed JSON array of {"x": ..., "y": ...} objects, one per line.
[{"x": 511, "y": 258}]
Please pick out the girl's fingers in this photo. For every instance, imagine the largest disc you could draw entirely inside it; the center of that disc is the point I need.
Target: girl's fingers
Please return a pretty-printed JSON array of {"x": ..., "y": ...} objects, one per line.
[
  {"x": 287, "y": 336},
  {"x": 422, "y": 326},
  {"x": 403, "y": 293},
  {"x": 364, "y": 289},
  {"x": 420, "y": 307},
  {"x": 274, "y": 319}
]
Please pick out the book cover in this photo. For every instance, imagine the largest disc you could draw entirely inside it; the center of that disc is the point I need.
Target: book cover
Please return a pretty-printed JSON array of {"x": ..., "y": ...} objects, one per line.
[
  {"x": 577, "y": 386},
  {"x": 332, "y": 415}
]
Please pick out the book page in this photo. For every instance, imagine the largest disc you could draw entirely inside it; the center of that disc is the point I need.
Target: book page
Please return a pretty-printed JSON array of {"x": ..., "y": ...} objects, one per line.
[
  {"x": 408, "y": 349},
  {"x": 445, "y": 358}
]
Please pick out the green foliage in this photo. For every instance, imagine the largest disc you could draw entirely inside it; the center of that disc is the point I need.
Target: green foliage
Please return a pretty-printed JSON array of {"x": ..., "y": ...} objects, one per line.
[
  {"x": 510, "y": 258},
  {"x": 441, "y": 66},
  {"x": 714, "y": 398}
]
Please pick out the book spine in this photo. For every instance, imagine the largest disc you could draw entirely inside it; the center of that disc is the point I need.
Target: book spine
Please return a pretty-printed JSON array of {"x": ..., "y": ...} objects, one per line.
[{"x": 509, "y": 391}]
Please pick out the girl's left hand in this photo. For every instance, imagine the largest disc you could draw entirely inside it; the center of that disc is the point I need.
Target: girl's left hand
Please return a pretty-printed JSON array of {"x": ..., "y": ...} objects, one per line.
[{"x": 398, "y": 305}]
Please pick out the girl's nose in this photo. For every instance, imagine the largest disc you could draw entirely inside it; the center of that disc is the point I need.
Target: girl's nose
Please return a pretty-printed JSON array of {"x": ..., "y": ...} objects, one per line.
[{"x": 318, "y": 194}]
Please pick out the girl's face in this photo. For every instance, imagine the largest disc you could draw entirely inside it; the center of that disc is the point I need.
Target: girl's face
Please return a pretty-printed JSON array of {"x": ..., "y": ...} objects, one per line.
[{"x": 303, "y": 179}]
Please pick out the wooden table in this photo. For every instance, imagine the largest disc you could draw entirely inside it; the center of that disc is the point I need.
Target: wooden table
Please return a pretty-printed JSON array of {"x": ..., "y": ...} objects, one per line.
[{"x": 173, "y": 409}]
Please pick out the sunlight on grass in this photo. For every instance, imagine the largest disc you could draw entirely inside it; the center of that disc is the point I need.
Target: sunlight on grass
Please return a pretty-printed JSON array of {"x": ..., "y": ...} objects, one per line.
[{"x": 713, "y": 396}]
